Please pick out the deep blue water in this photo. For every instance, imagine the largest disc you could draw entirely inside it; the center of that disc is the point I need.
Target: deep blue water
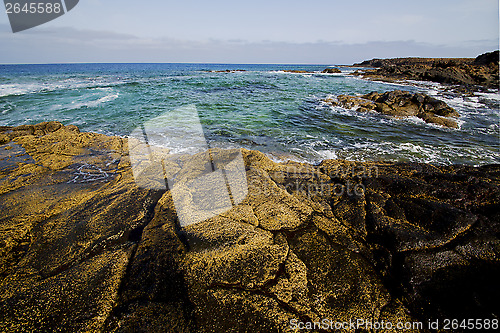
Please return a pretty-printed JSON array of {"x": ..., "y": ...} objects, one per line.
[{"x": 262, "y": 108}]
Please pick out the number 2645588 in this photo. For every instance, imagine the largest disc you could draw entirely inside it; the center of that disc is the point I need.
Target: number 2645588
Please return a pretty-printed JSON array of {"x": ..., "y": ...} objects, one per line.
[{"x": 33, "y": 8}]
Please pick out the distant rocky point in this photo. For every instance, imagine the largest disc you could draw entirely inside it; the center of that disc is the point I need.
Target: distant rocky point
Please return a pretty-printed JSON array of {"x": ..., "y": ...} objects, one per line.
[
  {"x": 468, "y": 73},
  {"x": 400, "y": 104}
]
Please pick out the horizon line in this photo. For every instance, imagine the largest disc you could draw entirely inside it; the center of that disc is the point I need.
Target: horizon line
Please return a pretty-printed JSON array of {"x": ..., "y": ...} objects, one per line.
[
  {"x": 230, "y": 63},
  {"x": 174, "y": 63}
]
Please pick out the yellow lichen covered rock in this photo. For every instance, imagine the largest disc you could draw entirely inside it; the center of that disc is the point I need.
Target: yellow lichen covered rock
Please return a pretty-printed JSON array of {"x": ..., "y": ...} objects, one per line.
[{"x": 86, "y": 247}]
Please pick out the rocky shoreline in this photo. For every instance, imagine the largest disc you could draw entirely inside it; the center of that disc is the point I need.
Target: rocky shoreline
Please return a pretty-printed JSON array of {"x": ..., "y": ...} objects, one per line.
[
  {"x": 400, "y": 104},
  {"x": 83, "y": 248},
  {"x": 465, "y": 74}
]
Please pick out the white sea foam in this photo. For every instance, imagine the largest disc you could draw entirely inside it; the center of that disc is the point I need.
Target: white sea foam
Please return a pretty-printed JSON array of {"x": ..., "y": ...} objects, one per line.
[
  {"x": 414, "y": 120},
  {"x": 493, "y": 95},
  {"x": 17, "y": 89},
  {"x": 463, "y": 101},
  {"x": 92, "y": 102},
  {"x": 102, "y": 100},
  {"x": 415, "y": 152},
  {"x": 331, "y": 74},
  {"x": 328, "y": 154},
  {"x": 394, "y": 151}
]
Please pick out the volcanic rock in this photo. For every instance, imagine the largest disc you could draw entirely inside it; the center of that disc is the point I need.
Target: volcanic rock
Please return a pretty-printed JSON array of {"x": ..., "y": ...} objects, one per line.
[
  {"x": 83, "y": 248},
  {"x": 469, "y": 74},
  {"x": 331, "y": 70},
  {"x": 400, "y": 104},
  {"x": 488, "y": 59},
  {"x": 296, "y": 71}
]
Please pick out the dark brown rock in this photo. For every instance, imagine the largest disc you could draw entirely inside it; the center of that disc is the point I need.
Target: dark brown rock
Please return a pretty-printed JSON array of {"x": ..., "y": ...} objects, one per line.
[
  {"x": 331, "y": 71},
  {"x": 488, "y": 59},
  {"x": 401, "y": 104},
  {"x": 229, "y": 71},
  {"x": 46, "y": 128},
  {"x": 296, "y": 71},
  {"x": 469, "y": 74}
]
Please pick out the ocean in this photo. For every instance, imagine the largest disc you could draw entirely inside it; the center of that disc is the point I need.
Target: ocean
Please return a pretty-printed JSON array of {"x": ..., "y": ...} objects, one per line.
[{"x": 260, "y": 107}]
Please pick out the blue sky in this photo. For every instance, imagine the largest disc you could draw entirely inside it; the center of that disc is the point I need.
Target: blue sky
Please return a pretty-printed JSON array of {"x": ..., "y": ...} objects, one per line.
[{"x": 271, "y": 31}]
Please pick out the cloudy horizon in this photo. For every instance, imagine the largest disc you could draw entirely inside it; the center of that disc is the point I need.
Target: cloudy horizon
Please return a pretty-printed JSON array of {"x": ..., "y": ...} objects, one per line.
[{"x": 321, "y": 32}]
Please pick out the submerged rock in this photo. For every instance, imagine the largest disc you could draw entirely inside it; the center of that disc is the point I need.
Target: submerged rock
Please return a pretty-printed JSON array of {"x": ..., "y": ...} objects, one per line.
[
  {"x": 332, "y": 70},
  {"x": 298, "y": 71},
  {"x": 228, "y": 71},
  {"x": 401, "y": 104},
  {"x": 83, "y": 248}
]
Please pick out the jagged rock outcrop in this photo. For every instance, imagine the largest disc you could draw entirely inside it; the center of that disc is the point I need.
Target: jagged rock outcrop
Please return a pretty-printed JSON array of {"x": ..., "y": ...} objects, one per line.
[
  {"x": 399, "y": 103},
  {"x": 411, "y": 61},
  {"x": 470, "y": 74},
  {"x": 298, "y": 71},
  {"x": 331, "y": 70},
  {"x": 83, "y": 248},
  {"x": 488, "y": 59}
]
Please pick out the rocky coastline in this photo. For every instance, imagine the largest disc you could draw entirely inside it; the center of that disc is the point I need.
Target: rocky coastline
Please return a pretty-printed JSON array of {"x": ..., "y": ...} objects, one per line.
[
  {"x": 400, "y": 104},
  {"x": 465, "y": 75},
  {"x": 83, "y": 248}
]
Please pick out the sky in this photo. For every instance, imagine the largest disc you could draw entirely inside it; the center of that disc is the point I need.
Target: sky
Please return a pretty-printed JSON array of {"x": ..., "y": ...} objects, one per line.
[{"x": 257, "y": 31}]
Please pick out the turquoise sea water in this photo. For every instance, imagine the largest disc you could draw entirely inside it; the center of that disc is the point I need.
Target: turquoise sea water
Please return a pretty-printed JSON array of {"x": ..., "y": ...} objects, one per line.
[{"x": 262, "y": 108}]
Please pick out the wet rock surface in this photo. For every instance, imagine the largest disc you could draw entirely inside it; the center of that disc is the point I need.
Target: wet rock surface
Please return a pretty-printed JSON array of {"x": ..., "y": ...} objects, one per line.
[
  {"x": 332, "y": 71},
  {"x": 468, "y": 73},
  {"x": 400, "y": 104},
  {"x": 83, "y": 248}
]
